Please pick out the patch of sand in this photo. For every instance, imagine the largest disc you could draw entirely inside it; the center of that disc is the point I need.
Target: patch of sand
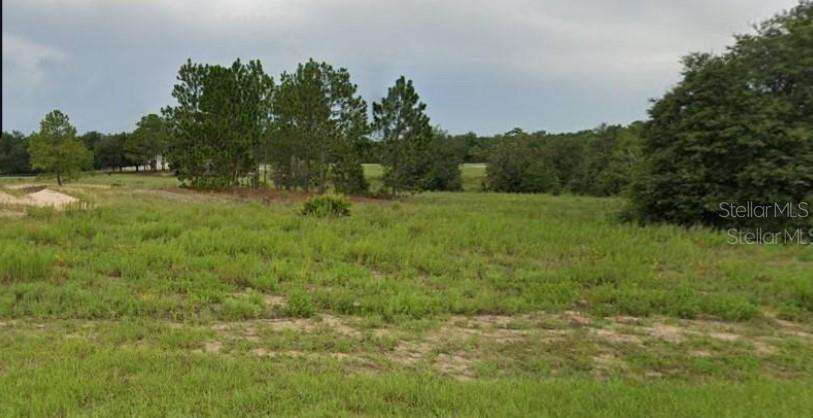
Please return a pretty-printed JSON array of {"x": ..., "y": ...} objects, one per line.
[
  {"x": 667, "y": 333},
  {"x": 46, "y": 197},
  {"x": 607, "y": 362},
  {"x": 455, "y": 365},
  {"x": 7, "y": 199},
  {"x": 39, "y": 198}
]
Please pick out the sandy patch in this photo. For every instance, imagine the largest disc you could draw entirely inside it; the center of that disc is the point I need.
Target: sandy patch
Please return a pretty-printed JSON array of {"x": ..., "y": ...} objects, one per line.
[
  {"x": 454, "y": 347},
  {"x": 48, "y": 197},
  {"x": 724, "y": 336},
  {"x": 667, "y": 333},
  {"x": 39, "y": 198},
  {"x": 7, "y": 199},
  {"x": 607, "y": 362},
  {"x": 613, "y": 336},
  {"x": 325, "y": 322},
  {"x": 455, "y": 365}
]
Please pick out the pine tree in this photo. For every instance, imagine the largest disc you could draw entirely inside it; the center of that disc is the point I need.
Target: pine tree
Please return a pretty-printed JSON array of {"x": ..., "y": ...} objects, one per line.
[
  {"x": 320, "y": 124},
  {"x": 404, "y": 128}
]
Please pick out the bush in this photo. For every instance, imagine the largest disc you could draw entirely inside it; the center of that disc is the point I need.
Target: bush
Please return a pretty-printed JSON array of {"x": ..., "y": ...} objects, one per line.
[{"x": 327, "y": 205}]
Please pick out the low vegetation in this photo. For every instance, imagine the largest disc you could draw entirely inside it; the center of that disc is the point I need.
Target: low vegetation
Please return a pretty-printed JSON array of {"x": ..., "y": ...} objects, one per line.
[{"x": 426, "y": 298}]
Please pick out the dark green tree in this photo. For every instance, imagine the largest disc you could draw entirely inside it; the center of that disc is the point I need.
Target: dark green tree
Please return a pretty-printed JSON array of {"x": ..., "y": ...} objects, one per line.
[
  {"x": 444, "y": 168},
  {"x": 108, "y": 153},
  {"x": 738, "y": 129},
  {"x": 90, "y": 139},
  {"x": 519, "y": 164},
  {"x": 320, "y": 124},
  {"x": 219, "y": 123},
  {"x": 401, "y": 123}
]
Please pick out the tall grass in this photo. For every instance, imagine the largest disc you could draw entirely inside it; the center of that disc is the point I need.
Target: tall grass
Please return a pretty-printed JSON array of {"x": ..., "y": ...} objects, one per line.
[
  {"x": 429, "y": 255},
  {"x": 20, "y": 262}
]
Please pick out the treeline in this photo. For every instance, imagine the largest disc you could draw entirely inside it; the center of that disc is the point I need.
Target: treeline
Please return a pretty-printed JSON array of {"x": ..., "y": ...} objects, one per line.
[
  {"x": 140, "y": 149},
  {"x": 311, "y": 128},
  {"x": 599, "y": 162}
]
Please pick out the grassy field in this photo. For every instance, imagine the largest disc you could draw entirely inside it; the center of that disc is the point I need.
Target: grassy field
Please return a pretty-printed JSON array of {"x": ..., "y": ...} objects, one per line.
[{"x": 160, "y": 301}]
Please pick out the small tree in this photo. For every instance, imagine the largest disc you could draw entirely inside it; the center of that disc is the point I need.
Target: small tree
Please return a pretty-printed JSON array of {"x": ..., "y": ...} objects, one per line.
[{"x": 55, "y": 149}]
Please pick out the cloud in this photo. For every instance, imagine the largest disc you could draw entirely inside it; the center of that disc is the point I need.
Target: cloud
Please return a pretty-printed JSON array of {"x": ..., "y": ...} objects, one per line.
[
  {"x": 480, "y": 65},
  {"x": 27, "y": 59}
]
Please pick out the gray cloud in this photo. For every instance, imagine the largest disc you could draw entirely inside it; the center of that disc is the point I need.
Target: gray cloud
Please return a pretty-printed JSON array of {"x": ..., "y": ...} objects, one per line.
[{"x": 485, "y": 66}]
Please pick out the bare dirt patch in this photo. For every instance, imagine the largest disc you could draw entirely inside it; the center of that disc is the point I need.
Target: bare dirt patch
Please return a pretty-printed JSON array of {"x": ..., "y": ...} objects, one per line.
[
  {"x": 7, "y": 199},
  {"x": 456, "y": 365},
  {"x": 605, "y": 363},
  {"x": 456, "y": 346},
  {"x": 666, "y": 332},
  {"x": 614, "y": 336},
  {"x": 307, "y": 325},
  {"x": 38, "y": 197},
  {"x": 47, "y": 197}
]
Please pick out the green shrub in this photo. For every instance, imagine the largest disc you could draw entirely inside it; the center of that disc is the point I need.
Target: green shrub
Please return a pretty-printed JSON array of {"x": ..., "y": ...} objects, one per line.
[
  {"x": 327, "y": 205},
  {"x": 300, "y": 304}
]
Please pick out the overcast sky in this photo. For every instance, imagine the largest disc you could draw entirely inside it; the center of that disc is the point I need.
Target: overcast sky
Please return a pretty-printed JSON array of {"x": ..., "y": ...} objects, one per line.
[{"x": 483, "y": 66}]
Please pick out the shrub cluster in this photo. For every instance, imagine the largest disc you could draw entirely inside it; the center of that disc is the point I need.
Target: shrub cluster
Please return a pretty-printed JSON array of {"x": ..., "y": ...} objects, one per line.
[{"x": 329, "y": 205}]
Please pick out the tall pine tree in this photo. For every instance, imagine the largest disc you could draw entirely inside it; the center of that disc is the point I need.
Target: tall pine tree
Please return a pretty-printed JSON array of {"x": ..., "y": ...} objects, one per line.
[{"x": 402, "y": 125}]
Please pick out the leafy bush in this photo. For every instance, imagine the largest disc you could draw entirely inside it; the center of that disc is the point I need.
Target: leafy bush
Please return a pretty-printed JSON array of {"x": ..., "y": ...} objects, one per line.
[{"x": 327, "y": 205}]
